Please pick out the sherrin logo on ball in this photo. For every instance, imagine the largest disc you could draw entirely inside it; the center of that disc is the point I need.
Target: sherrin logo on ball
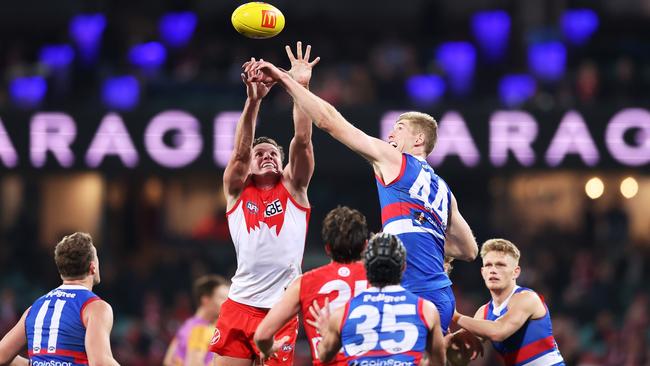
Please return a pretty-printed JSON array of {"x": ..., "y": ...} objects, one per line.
[{"x": 258, "y": 20}]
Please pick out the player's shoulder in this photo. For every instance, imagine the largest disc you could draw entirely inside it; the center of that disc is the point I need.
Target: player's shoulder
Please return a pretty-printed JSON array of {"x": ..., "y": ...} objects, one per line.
[{"x": 525, "y": 297}]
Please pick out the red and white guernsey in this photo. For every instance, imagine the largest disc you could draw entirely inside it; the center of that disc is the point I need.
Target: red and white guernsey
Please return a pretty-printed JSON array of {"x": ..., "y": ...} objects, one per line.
[
  {"x": 337, "y": 282},
  {"x": 268, "y": 229}
]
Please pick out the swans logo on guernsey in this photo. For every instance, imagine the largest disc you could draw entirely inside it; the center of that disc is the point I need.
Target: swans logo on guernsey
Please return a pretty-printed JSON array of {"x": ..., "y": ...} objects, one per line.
[{"x": 344, "y": 271}]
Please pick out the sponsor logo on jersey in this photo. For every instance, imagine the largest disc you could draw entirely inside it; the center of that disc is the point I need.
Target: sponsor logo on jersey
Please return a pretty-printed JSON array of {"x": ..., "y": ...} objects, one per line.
[
  {"x": 273, "y": 208},
  {"x": 50, "y": 363},
  {"x": 287, "y": 348},
  {"x": 252, "y": 208},
  {"x": 59, "y": 293}
]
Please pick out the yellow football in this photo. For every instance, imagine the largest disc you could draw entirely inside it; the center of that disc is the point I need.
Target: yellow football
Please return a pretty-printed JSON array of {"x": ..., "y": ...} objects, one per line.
[{"x": 258, "y": 20}]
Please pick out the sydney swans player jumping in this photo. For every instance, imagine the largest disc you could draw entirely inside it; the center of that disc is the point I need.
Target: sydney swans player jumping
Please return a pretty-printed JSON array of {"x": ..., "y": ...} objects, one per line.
[{"x": 268, "y": 211}]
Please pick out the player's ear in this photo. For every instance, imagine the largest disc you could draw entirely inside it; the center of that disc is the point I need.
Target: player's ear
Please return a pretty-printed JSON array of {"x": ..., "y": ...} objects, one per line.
[
  {"x": 328, "y": 249},
  {"x": 92, "y": 268},
  {"x": 517, "y": 272}
]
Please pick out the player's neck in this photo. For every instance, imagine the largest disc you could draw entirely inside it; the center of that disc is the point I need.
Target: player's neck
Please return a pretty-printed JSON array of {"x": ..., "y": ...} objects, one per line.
[
  {"x": 266, "y": 181},
  {"x": 86, "y": 282},
  {"x": 500, "y": 296},
  {"x": 203, "y": 314}
]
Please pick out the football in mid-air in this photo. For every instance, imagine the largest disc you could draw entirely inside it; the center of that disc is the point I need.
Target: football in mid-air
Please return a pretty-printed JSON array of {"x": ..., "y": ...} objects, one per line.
[{"x": 258, "y": 20}]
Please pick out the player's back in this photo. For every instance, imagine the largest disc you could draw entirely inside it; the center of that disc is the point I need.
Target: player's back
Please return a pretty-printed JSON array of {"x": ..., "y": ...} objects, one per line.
[
  {"x": 55, "y": 329},
  {"x": 337, "y": 282},
  {"x": 532, "y": 344},
  {"x": 415, "y": 207},
  {"x": 385, "y": 327},
  {"x": 193, "y": 335}
]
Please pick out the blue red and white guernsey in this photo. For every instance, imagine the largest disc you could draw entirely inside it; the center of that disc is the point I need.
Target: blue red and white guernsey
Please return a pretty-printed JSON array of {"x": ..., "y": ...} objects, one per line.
[
  {"x": 384, "y": 327},
  {"x": 55, "y": 329},
  {"x": 532, "y": 345},
  {"x": 415, "y": 207}
]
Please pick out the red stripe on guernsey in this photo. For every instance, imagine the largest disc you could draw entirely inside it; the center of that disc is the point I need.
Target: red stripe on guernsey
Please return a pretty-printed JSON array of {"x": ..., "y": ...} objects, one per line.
[
  {"x": 529, "y": 350},
  {"x": 79, "y": 357},
  {"x": 401, "y": 173},
  {"x": 421, "y": 312},
  {"x": 83, "y": 307},
  {"x": 403, "y": 209},
  {"x": 485, "y": 310}
]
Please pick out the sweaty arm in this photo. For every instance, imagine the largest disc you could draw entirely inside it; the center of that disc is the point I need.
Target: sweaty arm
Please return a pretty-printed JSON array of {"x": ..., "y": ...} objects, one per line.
[
  {"x": 98, "y": 318},
  {"x": 385, "y": 158},
  {"x": 281, "y": 313},
  {"x": 522, "y": 306},
  {"x": 330, "y": 345},
  {"x": 460, "y": 242},
  {"x": 12, "y": 343},
  {"x": 436, "y": 349}
]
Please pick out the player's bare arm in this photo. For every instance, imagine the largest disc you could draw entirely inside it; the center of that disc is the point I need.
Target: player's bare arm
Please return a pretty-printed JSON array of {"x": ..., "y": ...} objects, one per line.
[
  {"x": 238, "y": 168},
  {"x": 386, "y": 160},
  {"x": 169, "y": 355},
  {"x": 286, "y": 309},
  {"x": 460, "y": 243},
  {"x": 13, "y": 342},
  {"x": 436, "y": 348},
  {"x": 98, "y": 319},
  {"x": 300, "y": 168},
  {"x": 522, "y": 306}
]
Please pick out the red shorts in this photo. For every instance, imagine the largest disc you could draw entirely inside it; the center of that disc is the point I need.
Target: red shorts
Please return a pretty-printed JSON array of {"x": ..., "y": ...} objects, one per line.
[{"x": 235, "y": 329}]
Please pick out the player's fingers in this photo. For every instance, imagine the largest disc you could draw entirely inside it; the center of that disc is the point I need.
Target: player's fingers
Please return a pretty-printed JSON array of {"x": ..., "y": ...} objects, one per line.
[
  {"x": 299, "y": 50},
  {"x": 313, "y": 63},
  {"x": 312, "y": 323},
  {"x": 284, "y": 339},
  {"x": 326, "y": 307},
  {"x": 292, "y": 58},
  {"x": 313, "y": 312},
  {"x": 316, "y": 306},
  {"x": 307, "y": 52}
]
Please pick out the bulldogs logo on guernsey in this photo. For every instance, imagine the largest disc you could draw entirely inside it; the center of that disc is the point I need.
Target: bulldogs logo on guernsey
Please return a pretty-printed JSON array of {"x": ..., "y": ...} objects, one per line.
[
  {"x": 415, "y": 207},
  {"x": 337, "y": 282},
  {"x": 268, "y": 229},
  {"x": 385, "y": 328},
  {"x": 532, "y": 345},
  {"x": 54, "y": 327}
]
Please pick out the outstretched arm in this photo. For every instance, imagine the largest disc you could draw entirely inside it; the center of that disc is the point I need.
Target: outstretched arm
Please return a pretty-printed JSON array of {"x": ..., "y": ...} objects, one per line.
[
  {"x": 437, "y": 348},
  {"x": 521, "y": 307},
  {"x": 301, "y": 151},
  {"x": 98, "y": 318},
  {"x": 385, "y": 159},
  {"x": 460, "y": 242},
  {"x": 238, "y": 168},
  {"x": 13, "y": 342},
  {"x": 277, "y": 317}
]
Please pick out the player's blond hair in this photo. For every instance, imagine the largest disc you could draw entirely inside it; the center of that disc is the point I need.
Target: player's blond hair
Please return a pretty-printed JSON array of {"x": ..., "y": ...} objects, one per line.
[
  {"x": 500, "y": 245},
  {"x": 422, "y": 122}
]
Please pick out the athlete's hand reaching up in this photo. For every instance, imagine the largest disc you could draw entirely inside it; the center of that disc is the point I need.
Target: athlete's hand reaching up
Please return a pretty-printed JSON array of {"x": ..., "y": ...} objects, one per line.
[
  {"x": 255, "y": 89},
  {"x": 321, "y": 316},
  {"x": 300, "y": 66}
]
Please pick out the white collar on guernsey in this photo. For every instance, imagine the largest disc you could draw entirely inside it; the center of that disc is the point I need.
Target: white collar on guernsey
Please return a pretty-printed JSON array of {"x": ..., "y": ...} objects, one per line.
[
  {"x": 390, "y": 288},
  {"x": 72, "y": 287},
  {"x": 496, "y": 310}
]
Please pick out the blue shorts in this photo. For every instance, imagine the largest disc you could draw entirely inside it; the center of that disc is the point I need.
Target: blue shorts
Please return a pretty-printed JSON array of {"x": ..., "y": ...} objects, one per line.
[{"x": 445, "y": 301}]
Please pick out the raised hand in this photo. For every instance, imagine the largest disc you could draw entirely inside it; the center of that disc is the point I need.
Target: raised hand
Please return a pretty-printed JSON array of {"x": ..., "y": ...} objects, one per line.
[
  {"x": 321, "y": 316},
  {"x": 300, "y": 66},
  {"x": 256, "y": 89}
]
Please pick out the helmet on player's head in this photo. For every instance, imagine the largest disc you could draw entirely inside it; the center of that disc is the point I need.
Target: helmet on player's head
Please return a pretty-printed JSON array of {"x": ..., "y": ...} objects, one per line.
[{"x": 384, "y": 259}]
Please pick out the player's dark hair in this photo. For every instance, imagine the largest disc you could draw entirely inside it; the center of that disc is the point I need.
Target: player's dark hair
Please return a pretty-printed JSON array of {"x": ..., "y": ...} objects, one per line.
[
  {"x": 73, "y": 255},
  {"x": 205, "y": 286},
  {"x": 385, "y": 259},
  {"x": 345, "y": 231},
  {"x": 268, "y": 140}
]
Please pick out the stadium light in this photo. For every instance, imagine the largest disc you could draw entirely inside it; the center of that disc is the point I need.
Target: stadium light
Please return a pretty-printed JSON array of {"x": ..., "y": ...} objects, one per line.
[
  {"x": 629, "y": 187},
  {"x": 547, "y": 60},
  {"x": 121, "y": 93},
  {"x": 594, "y": 188},
  {"x": 458, "y": 60},
  {"x": 86, "y": 30},
  {"x": 578, "y": 25},
  {"x": 176, "y": 29},
  {"x": 148, "y": 56},
  {"x": 28, "y": 92},
  {"x": 56, "y": 57},
  {"x": 491, "y": 30},
  {"x": 515, "y": 89},
  {"x": 425, "y": 89}
]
